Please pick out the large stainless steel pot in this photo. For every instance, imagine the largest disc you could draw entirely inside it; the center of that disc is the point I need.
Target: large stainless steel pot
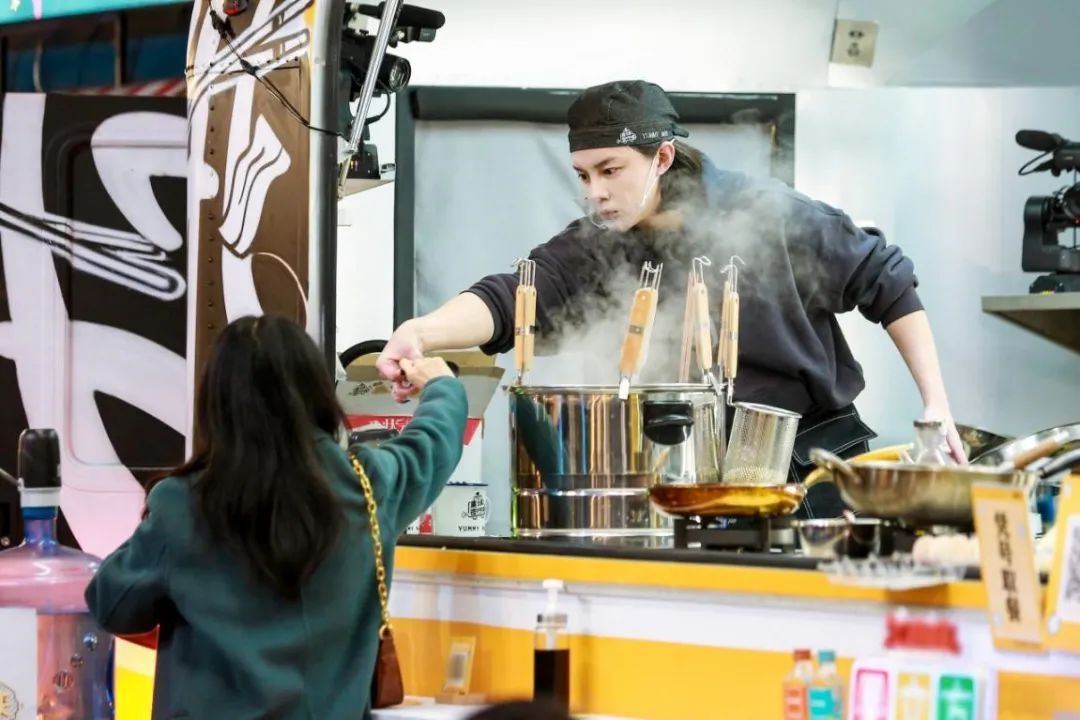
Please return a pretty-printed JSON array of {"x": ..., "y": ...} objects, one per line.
[{"x": 582, "y": 460}]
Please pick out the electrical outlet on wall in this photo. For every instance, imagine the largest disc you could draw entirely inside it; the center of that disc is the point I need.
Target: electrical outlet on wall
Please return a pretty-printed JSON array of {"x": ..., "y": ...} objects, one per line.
[{"x": 854, "y": 42}]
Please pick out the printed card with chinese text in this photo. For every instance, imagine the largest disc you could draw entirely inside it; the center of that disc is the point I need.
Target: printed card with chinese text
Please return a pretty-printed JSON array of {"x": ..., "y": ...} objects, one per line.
[
  {"x": 1063, "y": 592},
  {"x": 1007, "y": 559}
]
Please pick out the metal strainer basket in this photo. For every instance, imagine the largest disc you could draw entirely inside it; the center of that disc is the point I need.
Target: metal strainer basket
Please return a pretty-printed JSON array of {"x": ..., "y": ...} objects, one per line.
[{"x": 759, "y": 450}]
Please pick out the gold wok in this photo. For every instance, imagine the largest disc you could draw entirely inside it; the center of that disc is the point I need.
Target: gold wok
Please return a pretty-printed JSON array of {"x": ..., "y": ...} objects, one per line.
[{"x": 920, "y": 494}]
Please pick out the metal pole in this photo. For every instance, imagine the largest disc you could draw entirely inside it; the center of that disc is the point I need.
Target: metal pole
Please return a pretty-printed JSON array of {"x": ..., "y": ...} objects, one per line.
[{"x": 367, "y": 91}]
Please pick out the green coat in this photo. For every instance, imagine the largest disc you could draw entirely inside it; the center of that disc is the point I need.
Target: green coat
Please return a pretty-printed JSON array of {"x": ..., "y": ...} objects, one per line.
[{"x": 230, "y": 648}]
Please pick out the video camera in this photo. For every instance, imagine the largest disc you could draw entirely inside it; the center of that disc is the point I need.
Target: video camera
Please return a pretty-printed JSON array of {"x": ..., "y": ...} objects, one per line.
[
  {"x": 358, "y": 47},
  {"x": 413, "y": 24},
  {"x": 1046, "y": 216}
]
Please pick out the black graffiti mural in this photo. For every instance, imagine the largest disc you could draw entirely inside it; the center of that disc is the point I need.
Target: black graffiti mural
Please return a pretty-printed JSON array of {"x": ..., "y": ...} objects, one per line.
[{"x": 93, "y": 296}]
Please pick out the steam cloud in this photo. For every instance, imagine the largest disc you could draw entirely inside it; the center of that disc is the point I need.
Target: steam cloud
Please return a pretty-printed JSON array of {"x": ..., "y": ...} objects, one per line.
[{"x": 584, "y": 350}]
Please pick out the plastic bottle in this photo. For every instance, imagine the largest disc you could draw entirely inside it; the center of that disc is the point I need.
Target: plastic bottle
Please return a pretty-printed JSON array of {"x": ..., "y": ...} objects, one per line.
[
  {"x": 826, "y": 695},
  {"x": 796, "y": 684},
  {"x": 74, "y": 656},
  {"x": 551, "y": 650}
]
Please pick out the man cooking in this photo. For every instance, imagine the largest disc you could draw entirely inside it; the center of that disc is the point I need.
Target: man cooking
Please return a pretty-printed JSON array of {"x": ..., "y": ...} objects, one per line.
[{"x": 651, "y": 197}]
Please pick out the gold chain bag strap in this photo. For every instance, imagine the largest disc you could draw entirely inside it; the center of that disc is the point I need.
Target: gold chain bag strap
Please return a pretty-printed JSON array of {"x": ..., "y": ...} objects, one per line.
[{"x": 387, "y": 688}]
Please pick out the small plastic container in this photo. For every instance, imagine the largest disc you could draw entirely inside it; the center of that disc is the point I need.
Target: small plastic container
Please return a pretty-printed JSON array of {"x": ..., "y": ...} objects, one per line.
[
  {"x": 797, "y": 685},
  {"x": 826, "y": 693}
]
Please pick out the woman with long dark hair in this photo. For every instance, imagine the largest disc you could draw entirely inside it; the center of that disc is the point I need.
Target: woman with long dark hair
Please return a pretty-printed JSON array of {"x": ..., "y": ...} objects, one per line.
[{"x": 255, "y": 558}]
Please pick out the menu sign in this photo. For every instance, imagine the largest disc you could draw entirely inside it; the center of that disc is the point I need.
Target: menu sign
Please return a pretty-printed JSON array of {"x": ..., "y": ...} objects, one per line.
[
  {"x": 1007, "y": 557},
  {"x": 1063, "y": 593}
]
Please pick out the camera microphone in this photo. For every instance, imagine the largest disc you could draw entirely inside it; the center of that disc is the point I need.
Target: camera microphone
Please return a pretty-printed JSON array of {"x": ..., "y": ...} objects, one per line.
[
  {"x": 1039, "y": 140},
  {"x": 409, "y": 16}
]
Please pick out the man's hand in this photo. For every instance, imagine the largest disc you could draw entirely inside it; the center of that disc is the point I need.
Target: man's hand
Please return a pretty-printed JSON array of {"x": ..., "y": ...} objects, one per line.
[
  {"x": 952, "y": 436},
  {"x": 404, "y": 344},
  {"x": 912, "y": 336}
]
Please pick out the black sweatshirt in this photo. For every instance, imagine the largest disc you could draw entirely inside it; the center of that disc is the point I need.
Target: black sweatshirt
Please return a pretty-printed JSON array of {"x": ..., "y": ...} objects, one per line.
[{"x": 805, "y": 263}]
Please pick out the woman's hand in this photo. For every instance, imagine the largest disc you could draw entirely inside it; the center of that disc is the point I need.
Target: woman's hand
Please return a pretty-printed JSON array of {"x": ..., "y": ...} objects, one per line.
[{"x": 420, "y": 372}]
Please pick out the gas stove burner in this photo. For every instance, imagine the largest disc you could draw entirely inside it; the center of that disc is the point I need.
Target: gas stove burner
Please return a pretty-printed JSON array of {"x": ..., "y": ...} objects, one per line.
[
  {"x": 771, "y": 534},
  {"x": 750, "y": 534},
  {"x": 897, "y": 538}
]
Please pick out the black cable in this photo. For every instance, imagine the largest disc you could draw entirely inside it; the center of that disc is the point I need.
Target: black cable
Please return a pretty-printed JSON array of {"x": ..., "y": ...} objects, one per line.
[
  {"x": 1024, "y": 168},
  {"x": 222, "y": 27},
  {"x": 292, "y": 109},
  {"x": 386, "y": 109}
]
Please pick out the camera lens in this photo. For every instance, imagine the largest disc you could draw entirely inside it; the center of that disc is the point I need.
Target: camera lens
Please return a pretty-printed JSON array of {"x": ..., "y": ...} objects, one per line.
[
  {"x": 395, "y": 72},
  {"x": 1070, "y": 202}
]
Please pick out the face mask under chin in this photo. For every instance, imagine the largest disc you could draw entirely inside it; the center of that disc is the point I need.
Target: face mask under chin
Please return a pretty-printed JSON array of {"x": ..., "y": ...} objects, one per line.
[{"x": 620, "y": 223}]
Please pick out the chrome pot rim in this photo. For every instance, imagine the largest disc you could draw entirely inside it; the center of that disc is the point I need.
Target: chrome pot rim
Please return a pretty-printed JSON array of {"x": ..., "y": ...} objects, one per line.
[
  {"x": 610, "y": 389},
  {"x": 768, "y": 410}
]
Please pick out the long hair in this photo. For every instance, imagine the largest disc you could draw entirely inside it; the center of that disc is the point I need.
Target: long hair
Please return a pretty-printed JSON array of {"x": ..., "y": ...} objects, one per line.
[
  {"x": 682, "y": 183},
  {"x": 255, "y": 471}
]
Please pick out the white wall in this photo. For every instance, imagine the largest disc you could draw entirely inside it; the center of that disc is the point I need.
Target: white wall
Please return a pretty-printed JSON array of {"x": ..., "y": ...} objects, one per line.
[
  {"x": 906, "y": 30},
  {"x": 1008, "y": 43},
  {"x": 737, "y": 45},
  {"x": 683, "y": 45},
  {"x": 966, "y": 43}
]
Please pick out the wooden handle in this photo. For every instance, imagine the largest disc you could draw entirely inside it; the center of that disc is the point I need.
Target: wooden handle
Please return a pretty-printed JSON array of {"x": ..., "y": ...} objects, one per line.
[
  {"x": 687, "y": 333},
  {"x": 1046, "y": 447},
  {"x": 730, "y": 360},
  {"x": 642, "y": 311},
  {"x": 723, "y": 352},
  {"x": 524, "y": 326},
  {"x": 702, "y": 330},
  {"x": 722, "y": 341},
  {"x": 519, "y": 328},
  {"x": 530, "y": 325}
]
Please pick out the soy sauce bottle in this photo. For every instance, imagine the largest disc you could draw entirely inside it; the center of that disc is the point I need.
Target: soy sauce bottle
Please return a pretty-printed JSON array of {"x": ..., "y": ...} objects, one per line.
[{"x": 551, "y": 650}]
